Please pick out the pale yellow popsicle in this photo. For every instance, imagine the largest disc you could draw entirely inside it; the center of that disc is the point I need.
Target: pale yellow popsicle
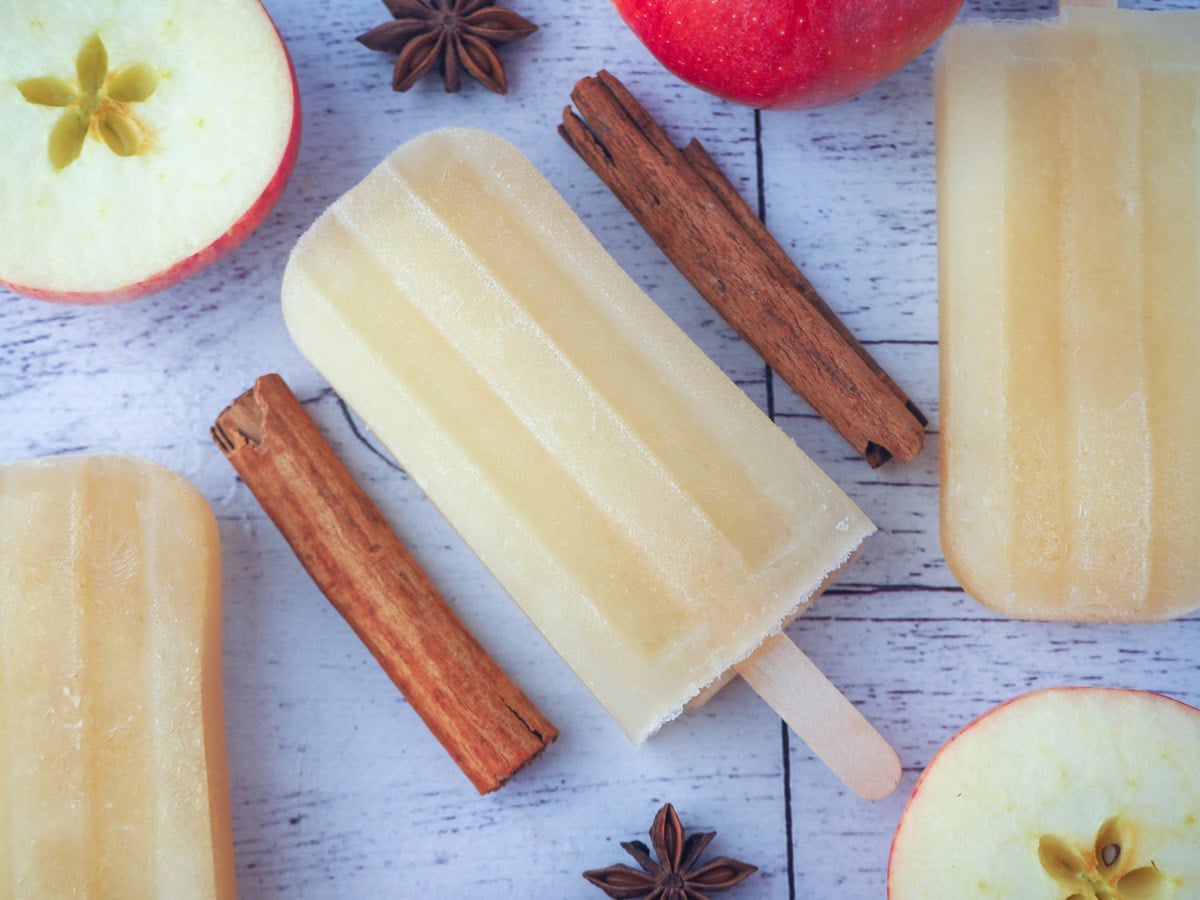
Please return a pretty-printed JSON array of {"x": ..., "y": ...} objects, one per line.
[
  {"x": 112, "y": 749},
  {"x": 1069, "y": 243},
  {"x": 648, "y": 518}
]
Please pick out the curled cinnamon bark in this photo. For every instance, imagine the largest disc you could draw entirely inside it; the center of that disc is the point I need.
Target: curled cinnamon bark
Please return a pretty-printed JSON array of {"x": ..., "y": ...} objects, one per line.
[
  {"x": 481, "y": 717},
  {"x": 698, "y": 219}
]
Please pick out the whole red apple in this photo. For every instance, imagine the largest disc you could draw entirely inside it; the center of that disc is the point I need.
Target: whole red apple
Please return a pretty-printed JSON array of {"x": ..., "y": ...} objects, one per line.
[
  {"x": 140, "y": 139},
  {"x": 786, "y": 54}
]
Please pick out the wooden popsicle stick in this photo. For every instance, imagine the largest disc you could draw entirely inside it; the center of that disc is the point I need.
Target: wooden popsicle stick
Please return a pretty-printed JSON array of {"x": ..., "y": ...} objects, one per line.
[{"x": 825, "y": 720}]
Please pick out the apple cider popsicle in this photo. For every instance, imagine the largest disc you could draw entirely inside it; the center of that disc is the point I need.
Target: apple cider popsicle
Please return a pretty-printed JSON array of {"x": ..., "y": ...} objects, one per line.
[
  {"x": 1069, "y": 235},
  {"x": 647, "y": 517},
  {"x": 112, "y": 757}
]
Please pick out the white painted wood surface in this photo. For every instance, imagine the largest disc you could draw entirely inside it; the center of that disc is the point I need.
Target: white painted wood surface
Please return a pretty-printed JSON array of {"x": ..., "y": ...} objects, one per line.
[{"x": 338, "y": 790}]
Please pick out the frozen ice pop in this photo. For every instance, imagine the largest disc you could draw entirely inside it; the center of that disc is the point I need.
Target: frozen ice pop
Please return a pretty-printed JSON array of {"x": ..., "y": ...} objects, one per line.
[
  {"x": 112, "y": 760},
  {"x": 1069, "y": 234},
  {"x": 646, "y": 516}
]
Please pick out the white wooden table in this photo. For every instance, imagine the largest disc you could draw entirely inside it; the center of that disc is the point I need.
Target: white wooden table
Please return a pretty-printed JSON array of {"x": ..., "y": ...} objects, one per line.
[{"x": 338, "y": 791}]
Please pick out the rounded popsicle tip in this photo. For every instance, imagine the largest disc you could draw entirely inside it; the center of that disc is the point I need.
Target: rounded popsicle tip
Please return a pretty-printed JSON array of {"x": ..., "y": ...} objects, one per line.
[
  {"x": 880, "y": 777},
  {"x": 832, "y": 727}
]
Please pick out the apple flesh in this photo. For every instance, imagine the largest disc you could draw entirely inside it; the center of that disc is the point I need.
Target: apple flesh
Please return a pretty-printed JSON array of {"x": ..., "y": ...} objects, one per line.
[
  {"x": 1083, "y": 793},
  {"x": 786, "y": 54},
  {"x": 143, "y": 140}
]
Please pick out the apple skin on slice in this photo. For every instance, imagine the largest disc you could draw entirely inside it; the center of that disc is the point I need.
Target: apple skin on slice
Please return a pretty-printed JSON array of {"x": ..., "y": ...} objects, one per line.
[
  {"x": 1079, "y": 792},
  {"x": 140, "y": 141}
]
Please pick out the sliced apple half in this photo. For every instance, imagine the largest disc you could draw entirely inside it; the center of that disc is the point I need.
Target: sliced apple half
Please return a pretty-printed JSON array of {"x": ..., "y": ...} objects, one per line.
[
  {"x": 1061, "y": 794},
  {"x": 140, "y": 140}
]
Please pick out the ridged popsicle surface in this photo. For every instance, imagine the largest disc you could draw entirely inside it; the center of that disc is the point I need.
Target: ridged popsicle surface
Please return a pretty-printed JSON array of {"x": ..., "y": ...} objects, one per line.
[
  {"x": 647, "y": 517},
  {"x": 1069, "y": 232},
  {"x": 112, "y": 746}
]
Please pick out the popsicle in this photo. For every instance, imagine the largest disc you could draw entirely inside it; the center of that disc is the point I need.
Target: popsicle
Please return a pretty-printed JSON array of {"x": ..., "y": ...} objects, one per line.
[
  {"x": 647, "y": 517},
  {"x": 112, "y": 753},
  {"x": 1069, "y": 243}
]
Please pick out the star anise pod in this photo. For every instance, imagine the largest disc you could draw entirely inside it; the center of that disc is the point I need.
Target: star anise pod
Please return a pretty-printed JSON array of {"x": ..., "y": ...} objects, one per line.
[
  {"x": 675, "y": 876},
  {"x": 457, "y": 34}
]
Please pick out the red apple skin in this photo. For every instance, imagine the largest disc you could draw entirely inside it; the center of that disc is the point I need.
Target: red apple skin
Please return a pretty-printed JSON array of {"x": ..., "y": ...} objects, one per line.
[
  {"x": 920, "y": 781},
  {"x": 786, "y": 54},
  {"x": 201, "y": 259}
]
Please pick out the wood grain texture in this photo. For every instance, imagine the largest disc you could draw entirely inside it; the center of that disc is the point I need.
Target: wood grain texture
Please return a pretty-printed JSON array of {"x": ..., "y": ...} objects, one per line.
[{"x": 338, "y": 791}]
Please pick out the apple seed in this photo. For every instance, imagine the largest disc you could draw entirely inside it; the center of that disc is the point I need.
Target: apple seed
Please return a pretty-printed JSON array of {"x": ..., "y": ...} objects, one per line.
[
  {"x": 1113, "y": 836},
  {"x": 1062, "y": 861},
  {"x": 121, "y": 133},
  {"x": 48, "y": 91},
  {"x": 133, "y": 84},
  {"x": 91, "y": 64},
  {"x": 66, "y": 138}
]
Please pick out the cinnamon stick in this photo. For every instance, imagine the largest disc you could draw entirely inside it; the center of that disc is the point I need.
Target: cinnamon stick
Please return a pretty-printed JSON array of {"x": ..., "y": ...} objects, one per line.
[
  {"x": 481, "y": 717},
  {"x": 696, "y": 216}
]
